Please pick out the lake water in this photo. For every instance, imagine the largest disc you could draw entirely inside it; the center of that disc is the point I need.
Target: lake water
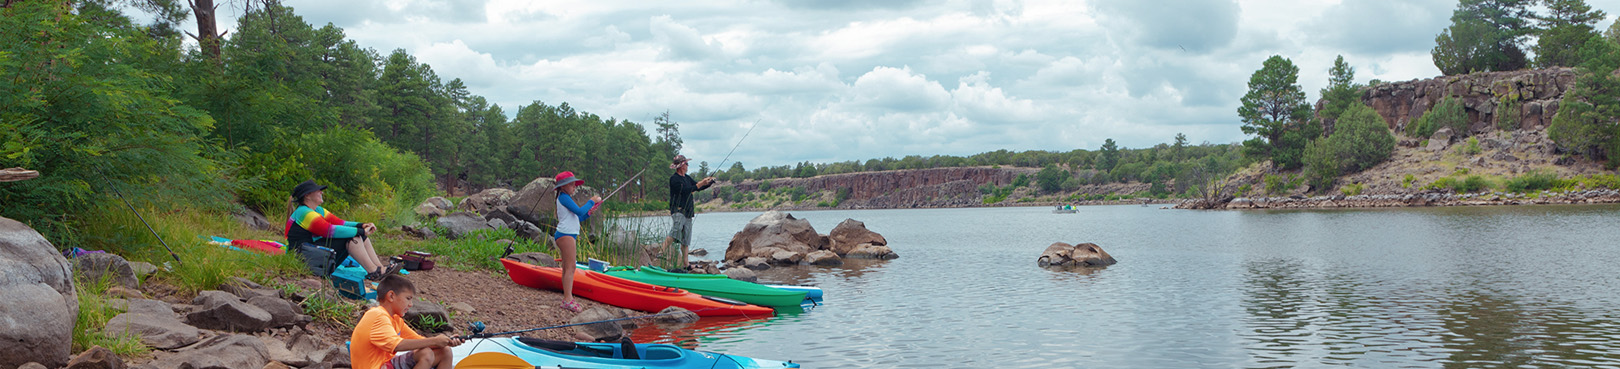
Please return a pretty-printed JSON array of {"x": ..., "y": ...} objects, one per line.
[{"x": 1531, "y": 286}]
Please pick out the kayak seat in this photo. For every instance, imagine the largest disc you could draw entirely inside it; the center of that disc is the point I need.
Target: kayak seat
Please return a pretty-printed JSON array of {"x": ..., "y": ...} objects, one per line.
[
  {"x": 659, "y": 352},
  {"x": 567, "y": 348}
]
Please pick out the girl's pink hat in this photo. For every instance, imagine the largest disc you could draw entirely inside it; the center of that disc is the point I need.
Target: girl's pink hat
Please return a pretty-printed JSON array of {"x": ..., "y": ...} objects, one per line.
[{"x": 565, "y": 178}]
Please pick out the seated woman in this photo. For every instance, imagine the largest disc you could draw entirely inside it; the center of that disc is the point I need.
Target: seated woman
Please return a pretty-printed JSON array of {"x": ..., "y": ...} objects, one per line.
[{"x": 310, "y": 223}]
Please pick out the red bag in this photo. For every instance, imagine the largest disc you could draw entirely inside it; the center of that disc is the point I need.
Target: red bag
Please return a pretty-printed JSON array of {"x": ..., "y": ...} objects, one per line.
[{"x": 417, "y": 260}]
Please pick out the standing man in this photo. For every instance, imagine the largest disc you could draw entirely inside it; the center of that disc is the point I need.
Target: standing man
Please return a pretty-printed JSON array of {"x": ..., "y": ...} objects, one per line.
[{"x": 681, "y": 209}]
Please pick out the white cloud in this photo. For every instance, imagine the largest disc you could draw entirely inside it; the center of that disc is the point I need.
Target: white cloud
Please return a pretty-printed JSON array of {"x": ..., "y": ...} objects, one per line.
[{"x": 853, "y": 80}]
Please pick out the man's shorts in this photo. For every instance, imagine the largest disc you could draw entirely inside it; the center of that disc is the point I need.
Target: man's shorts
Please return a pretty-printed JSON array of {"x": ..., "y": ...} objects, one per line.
[
  {"x": 681, "y": 230},
  {"x": 403, "y": 360}
]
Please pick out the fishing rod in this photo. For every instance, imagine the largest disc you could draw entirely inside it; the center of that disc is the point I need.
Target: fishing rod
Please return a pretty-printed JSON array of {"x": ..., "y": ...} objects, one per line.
[
  {"x": 722, "y": 165},
  {"x": 621, "y": 186},
  {"x": 478, "y": 327},
  {"x": 97, "y": 168}
]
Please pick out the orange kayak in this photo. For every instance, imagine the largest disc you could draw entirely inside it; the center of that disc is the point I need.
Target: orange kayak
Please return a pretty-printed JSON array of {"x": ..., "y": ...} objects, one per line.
[{"x": 627, "y": 293}]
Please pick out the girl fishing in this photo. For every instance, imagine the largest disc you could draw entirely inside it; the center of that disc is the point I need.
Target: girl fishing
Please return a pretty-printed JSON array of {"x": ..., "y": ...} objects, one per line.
[{"x": 569, "y": 214}]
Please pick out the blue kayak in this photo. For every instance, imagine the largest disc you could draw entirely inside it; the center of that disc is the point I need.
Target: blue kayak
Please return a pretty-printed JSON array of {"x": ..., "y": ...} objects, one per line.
[{"x": 548, "y": 354}]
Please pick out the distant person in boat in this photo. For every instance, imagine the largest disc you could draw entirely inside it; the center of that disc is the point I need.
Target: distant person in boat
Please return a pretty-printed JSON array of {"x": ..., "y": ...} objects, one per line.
[
  {"x": 308, "y": 222},
  {"x": 569, "y": 214},
  {"x": 383, "y": 340},
  {"x": 681, "y": 208}
]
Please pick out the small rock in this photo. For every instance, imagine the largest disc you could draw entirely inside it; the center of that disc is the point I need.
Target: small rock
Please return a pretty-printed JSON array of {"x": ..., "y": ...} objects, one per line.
[
  {"x": 161, "y": 332},
  {"x": 698, "y": 252},
  {"x": 756, "y": 263},
  {"x": 424, "y": 312},
  {"x": 96, "y": 358},
  {"x": 439, "y": 202},
  {"x": 462, "y": 307},
  {"x": 785, "y": 257},
  {"x": 276, "y": 365},
  {"x": 282, "y": 313},
  {"x": 337, "y": 356},
  {"x": 278, "y": 353},
  {"x": 222, "y": 351},
  {"x": 120, "y": 291},
  {"x": 496, "y": 223},
  {"x": 676, "y": 315},
  {"x": 91, "y": 268},
  {"x": 870, "y": 251},
  {"x": 535, "y": 258},
  {"x": 223, "y": 311},
  {"x": 32, "y": 365},
  {"x": 742, "y": 274},
  {"x": 824, "y": 258},
  {"x": 143, "y": 269}
]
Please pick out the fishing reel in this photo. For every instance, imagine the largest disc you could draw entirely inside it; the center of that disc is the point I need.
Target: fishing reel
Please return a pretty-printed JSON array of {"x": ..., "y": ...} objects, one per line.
[{"x": 477, "y": 329}]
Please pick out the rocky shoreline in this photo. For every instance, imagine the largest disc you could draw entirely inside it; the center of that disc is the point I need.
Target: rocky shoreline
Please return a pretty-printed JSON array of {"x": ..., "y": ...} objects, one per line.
[{"x": 1431, "y": 199}]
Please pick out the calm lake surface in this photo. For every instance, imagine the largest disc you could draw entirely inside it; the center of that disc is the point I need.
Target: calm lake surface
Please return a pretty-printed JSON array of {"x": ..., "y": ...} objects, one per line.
[{"x": 1464, "y": 287}]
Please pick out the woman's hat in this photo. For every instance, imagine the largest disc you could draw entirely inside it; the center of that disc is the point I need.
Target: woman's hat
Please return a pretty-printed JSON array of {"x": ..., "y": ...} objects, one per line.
[
  {"x": 564, "y": 178},
  {"x": 306, "y": 188}
]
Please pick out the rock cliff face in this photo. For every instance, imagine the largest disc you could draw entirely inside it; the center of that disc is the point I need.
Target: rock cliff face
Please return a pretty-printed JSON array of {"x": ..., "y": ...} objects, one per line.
[
  {"x": 938, "y": 187},
  {"x": 1402, "y": 102}
]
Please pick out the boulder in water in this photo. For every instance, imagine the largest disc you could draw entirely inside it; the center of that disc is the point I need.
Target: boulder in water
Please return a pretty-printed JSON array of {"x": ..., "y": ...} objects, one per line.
[
  {"x": 1083, "y": 255},
  {"x": 775, "y": 229},
  {"x": 851, "y": 234}
]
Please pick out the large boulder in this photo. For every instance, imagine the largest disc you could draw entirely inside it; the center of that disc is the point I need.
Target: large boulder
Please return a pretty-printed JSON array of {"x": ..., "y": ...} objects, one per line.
[
  {"x": 222, "y": 351},
  {"x": 775, "y": 229},
  {"x": 529, "y": 231},
  {"x": 537, "y": 202},
  {"x": 439, "y": 202},
  {"x": 459, "y": 224},
  {"x": 851, "y": 234},
  {"x": 427, "y": 210},
  {"x": 487, "y": 200},
  {"x": 1082, "y": 255},
  {"x": 605, "y": 332},
  {"x": 505, "y": 217},
  {"x": 428, "y": 316},
  {"x": 38, "y": 312},
  {"x": 93, "y": 268},
  {"x": 221, "y": 310}
]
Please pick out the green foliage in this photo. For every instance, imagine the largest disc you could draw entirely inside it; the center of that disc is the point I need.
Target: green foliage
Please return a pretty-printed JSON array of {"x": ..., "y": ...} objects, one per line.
[
  {"x": 82, "y": 95},
  {"x": 95, "y": 309},
  {"x": 1407, "y": 182},
  {"x": 1361, "y": 139},
  {"x": 1587, "y": 117},
  {"x": 1275, "y": 105},
  {"x": 1448, "y": 113},
  {"x": 764, "y": 186},
  {"x": 1109, "y": 157},
  {"x": 1471, "y": 147},
  {"x": 1484, "y": 36},
  {"x": 1507, "y": 113},
  {"x": 1353, "y": 189},
  {"x": 1051, "y": 179},
  {"x": 1022, "y": 180},
  {"x": 1468, "y": 184},
  {"x": 1341, "y": 91},
  {"x": 1535, "y": 181},
  {"x": 1566, "y": 28},
  {"x": 1280, "y": 184}
]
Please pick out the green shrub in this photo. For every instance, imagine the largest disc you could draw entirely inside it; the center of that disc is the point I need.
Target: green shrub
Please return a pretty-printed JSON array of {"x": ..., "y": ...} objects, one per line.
[
  {"x": 1472, "y": 184},
  {"x": 1471, "y": 148},
  {"x": 1353, "y": 189},
  {"x": 764, "y": 186},
  {"x": 1278, "y": 184},
  {"x": 1534, "y": 181},
  {"x": 1407, "y": 182},
  {"x": 1507, "y": 113},
  {"x": 1021, "y": 181}
]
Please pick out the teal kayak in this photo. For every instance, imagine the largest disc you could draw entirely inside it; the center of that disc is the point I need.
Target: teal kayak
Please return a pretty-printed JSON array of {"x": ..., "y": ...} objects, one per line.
[
  {"x": 716, "y": 285},
  {"x": 563, "y": 354}
]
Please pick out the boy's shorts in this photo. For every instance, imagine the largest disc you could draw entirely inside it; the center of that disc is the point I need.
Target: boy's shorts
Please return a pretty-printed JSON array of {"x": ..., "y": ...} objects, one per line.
[{"x": 403, "y": 360}]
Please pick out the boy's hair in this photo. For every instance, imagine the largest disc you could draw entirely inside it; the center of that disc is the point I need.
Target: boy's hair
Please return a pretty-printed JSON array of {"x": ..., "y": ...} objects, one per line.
[{"x": 394, "y": 283}]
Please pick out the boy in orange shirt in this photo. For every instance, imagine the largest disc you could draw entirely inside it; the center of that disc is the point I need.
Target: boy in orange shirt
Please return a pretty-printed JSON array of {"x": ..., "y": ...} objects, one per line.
[{"x": 382, "y": 340}]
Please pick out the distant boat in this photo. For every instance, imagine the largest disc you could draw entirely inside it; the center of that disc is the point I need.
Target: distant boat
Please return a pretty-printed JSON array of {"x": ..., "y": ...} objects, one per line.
[{"x": 1064, "y": 209}]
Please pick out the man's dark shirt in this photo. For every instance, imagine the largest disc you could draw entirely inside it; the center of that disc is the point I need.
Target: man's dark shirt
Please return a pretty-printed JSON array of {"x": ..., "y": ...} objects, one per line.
[{"x": 681, "y": 188}]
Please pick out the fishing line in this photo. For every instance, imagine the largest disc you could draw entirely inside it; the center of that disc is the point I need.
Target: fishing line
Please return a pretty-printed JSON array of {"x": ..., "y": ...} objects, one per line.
[{"x": 739, "y": 143}]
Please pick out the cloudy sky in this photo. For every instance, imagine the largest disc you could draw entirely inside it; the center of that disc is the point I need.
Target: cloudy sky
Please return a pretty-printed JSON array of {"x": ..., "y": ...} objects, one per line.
[{"x": 852, "y": 80}]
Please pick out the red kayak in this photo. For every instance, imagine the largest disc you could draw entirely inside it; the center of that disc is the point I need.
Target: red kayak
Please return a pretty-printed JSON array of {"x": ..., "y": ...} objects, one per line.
[{"x": 627, "y": 293}]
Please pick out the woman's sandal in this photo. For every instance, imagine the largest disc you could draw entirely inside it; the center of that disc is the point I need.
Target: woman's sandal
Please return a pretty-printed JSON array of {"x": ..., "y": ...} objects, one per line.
[{"x": 572, "y": 305}]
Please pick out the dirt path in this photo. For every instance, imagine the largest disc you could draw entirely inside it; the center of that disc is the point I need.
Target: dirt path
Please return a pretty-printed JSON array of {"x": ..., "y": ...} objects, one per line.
[{"x": 498, "y": 302}]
